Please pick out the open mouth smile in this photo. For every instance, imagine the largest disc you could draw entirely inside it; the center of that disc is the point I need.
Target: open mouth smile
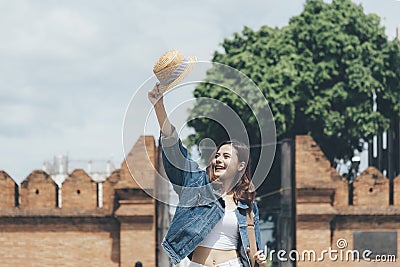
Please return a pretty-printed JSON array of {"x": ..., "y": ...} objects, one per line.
[{"x": 219, "y": 168}]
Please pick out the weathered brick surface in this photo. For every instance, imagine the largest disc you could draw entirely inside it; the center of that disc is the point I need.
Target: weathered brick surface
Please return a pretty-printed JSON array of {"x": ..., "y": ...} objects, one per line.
[
  {"x": 323, "y": 215},
  {"x": 79, "y": 191},
  {"x": 371, "y": 188},
  {"x": 396, "y": 191},
  {"x": 137, "y": 170},
  {"x": 313, "y": 170},
  {"x": 122, "y": 232},
  {"x": 109, "y": 201},
  {"x": 138, "y": 242},
  {"x": 7, "y": 191},
  {"x": 136, "y": 213},
  {"x": 59, "y": 242},
  {"x": 38, "y": 191},
  {"x": 312, "y": 236}
]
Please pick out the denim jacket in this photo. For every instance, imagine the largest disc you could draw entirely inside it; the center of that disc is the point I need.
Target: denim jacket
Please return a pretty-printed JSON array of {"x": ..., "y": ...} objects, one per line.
[{"x": 200, "y": 207}]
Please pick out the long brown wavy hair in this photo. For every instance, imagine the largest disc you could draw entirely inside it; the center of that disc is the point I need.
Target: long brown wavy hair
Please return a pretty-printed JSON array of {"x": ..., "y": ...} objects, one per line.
[{"x": 243, "y": 189}]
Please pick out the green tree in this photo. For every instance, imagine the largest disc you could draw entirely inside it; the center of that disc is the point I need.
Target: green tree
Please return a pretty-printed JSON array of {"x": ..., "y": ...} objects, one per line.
[{"x": 319, "y": 75}]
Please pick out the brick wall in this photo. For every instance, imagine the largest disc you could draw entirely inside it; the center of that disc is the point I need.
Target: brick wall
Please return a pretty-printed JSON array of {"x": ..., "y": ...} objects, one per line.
[
  {"x": 59, "y": 242},
  {"x": 371, "y": 188},
  {"x": 84, "y": 232},
  {"x": 313, "y": 170},
  {"x": 7, "y": 192},
  {"x": 323, "y": 215},
  {"x": 141, "y": 168},
  {"x": 396, "y": 191},
  {"x": 79, "y": 191},
  {"x": 109, "y": 200},
  {"x": 38, "y": 191},
  {"x": 314, "y": 235}
]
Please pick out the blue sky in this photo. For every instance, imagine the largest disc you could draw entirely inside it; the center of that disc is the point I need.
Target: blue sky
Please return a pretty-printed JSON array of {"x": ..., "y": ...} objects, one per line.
[{"x": 69, "y": 68}]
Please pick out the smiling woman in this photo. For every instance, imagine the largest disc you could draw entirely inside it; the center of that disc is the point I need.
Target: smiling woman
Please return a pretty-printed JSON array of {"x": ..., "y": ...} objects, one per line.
[
  {"x": 209, "y": 228},
  {"x": 222, "y": 161},
  {"x": 230, "y": 165}
]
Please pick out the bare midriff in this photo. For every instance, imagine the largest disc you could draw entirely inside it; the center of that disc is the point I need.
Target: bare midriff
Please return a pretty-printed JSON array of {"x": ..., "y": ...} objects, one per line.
[{"x": 212, "y": 257}]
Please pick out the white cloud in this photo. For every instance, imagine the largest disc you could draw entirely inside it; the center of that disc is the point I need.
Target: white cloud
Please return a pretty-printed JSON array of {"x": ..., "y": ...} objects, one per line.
[
  {"x": 68, "y": 69},
  {"x": 32, "y": 31}
]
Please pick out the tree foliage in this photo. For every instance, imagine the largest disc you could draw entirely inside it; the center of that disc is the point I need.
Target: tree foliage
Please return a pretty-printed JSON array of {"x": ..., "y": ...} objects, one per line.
[{"x": 319, "y": 75}]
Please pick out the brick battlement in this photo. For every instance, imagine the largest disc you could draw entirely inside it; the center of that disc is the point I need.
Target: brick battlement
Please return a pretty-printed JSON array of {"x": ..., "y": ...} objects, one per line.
[
  {"x": 39, "y": 191},
  {"x": 317, "y": 181},
  {"x": 79, "y": 191},
  {"x": 82, "y": 222}
]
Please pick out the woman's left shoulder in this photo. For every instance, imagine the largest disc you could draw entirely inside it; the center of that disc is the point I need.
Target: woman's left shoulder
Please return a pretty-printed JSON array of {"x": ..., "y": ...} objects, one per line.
[
  {"x": 255, "y": 208},
  {"x": 254, "y": 205}
]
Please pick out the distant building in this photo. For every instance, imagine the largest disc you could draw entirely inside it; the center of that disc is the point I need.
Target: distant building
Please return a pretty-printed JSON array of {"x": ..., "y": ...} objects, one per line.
[{"x": 98, "y": 170}]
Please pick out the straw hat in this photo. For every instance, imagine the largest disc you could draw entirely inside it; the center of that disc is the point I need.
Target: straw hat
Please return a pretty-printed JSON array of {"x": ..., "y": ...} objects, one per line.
[{"x": 171, "y": 68}]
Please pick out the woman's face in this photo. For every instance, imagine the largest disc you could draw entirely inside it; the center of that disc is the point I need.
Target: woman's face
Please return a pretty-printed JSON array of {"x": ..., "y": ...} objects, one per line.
[{"x": 225, "y": 164}]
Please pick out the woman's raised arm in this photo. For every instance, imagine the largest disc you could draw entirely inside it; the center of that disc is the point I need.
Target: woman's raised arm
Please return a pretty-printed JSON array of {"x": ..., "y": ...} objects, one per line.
[
  {"x": 156, "y": 98},
  {"x": 179, "y": 167}
]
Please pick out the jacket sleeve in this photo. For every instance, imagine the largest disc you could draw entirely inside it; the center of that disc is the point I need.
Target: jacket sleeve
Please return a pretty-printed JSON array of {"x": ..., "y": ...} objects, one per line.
[
  {"x": 257, "y": 226},
  {"x": 181, "y": 170}
]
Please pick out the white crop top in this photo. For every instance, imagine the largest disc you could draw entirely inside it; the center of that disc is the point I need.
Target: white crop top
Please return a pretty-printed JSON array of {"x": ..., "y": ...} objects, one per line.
[{"x": 224, "y": 235}]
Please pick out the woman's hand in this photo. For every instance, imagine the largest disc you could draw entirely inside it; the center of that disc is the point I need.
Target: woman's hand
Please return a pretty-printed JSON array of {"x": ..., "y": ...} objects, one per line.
[
  {"x": 154, "y": 94},
  {"x": 259, "y": 257}
]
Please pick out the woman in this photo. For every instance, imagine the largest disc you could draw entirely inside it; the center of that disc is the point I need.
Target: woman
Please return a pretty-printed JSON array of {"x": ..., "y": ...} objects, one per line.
[{"x": 210, "y": 223}]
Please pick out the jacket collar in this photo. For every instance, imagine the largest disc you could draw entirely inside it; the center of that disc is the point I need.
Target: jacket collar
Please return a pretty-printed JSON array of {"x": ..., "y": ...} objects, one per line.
[{"x": 242, "y": 205}]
